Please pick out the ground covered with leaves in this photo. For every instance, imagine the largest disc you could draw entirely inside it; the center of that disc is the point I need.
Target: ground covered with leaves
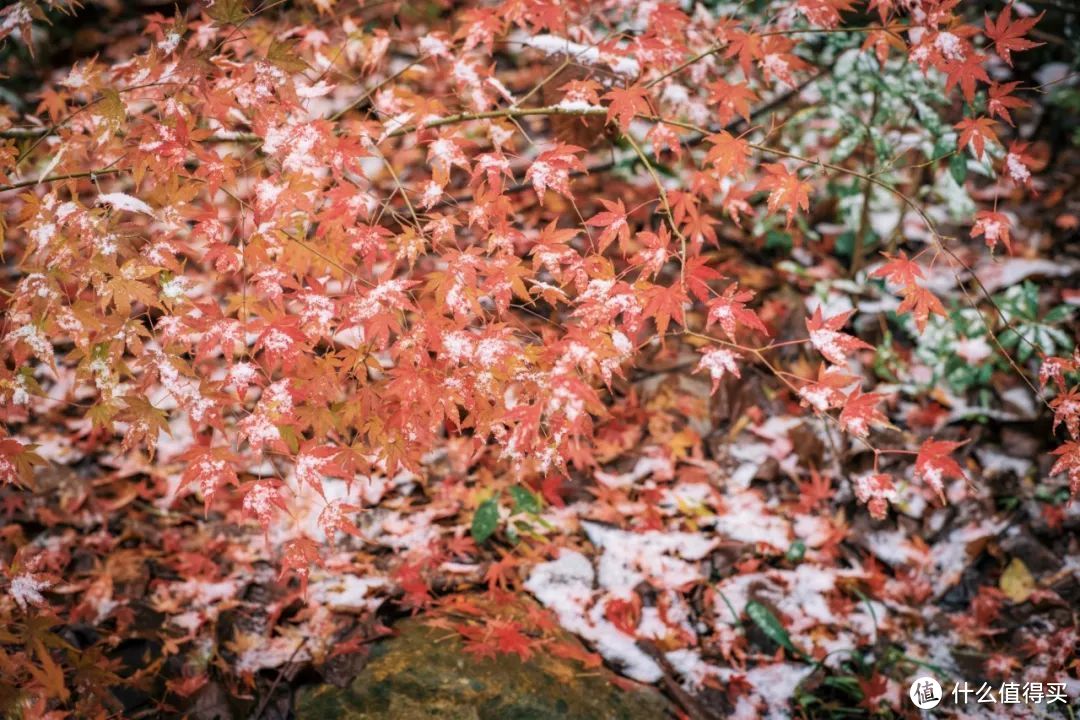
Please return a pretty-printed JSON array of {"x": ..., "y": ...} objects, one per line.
[{"x": 731, "y": 347}]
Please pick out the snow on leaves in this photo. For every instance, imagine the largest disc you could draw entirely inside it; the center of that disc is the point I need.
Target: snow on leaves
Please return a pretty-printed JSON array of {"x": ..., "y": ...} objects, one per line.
[
  {"x": 827, "y": 339},
  {"x": 308, "y": 292}
]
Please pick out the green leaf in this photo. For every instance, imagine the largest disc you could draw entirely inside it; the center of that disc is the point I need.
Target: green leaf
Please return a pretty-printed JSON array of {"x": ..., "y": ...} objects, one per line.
[
  {"x": 763, "y": 617},
  {"x": 958, "y": 168},
  {"x": 796, "y": 552},
  {"x": 485, "y": 520},
  {"x": 776, "y": 240},
  {"x": 524, "y": 501}
]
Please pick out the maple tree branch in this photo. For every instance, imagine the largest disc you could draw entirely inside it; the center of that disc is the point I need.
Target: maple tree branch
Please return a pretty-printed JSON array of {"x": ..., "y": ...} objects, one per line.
[
  {"x": 664, "y": 201},
  {"x": 57, "y": 178}
]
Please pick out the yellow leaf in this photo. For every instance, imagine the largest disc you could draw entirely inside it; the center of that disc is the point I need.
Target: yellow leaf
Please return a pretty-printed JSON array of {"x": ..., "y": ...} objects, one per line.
[{"x": 1016, "y": 582}]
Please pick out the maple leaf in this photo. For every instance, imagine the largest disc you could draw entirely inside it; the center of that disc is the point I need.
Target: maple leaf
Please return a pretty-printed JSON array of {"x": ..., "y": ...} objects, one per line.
[
  {"x": 777, "y": 62},
  {"x": 729, "y": 155},
  {"x": 333, "y": 519},
  {"x": 899, "y": 270},
  {"x": 747, "y": 46},
  {"x": 877, "y": 490},
  {"x": 861, "y": 412},
  {"x": 698, "y": 276},
  {"x": 933, "y": 464},
  {"x": 966, "y": 72},
  {"x": 17, "y": 462},
  {"x": 614, "y": 222},
  {"x": 663, "y": 137},
  {"x": 501, "y": 572},
  {"x": 786, "y": 190},
  {"x": 665, "y": 303},
  {"x": 826, "y": 392},
  {"x": 1007, "y": 35},
  {"x": 825, "y": 335},
  {"x": 920, "y": 302},
  {"x": 874, "y": 691},
  {"x": 210, "y": 469},
  {"x": 262, "y": 497},
  {"x": 298, "y": 555},
  {"x": 975, "y": 132},
  {"x": 731, "y": 99},
  {"x": 624, "y": 613},
  {"x": 654, "y": 255},
  {"x": 730, "y": 311},
  {"x": 718, "y": 361},
  {"x": 814, "y": 492},
  {"x": 1018, "y": 162},
  {"x": 825, "y": 13},
  {"x": 1069, "y": 462},
  {"x": 625, "y": 104},
  {"x": 993, "y": 226},
  {"x": 1000, "y": 100},
  {"x": 1054, "y": 369},
  {"x": 552, "y": 169},
  {"x": 884, "y": 8},
  {"x": 1066, "y": 407}
]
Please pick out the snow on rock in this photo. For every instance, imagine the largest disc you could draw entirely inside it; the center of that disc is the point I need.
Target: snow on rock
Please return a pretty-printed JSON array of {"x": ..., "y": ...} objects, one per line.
[{"x": 345, "y": 592}]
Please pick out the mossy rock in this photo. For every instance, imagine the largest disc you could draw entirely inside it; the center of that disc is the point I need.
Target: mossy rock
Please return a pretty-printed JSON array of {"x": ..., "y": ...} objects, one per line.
[{"x": 423, "y": 672}]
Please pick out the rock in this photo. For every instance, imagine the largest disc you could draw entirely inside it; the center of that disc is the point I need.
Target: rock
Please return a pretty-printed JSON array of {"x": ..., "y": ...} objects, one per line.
[{"x": 423, "y": 672}]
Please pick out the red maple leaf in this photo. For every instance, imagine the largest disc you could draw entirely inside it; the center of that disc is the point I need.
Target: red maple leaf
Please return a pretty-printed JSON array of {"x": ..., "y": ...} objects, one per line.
[
  {"x": 1018, "y": 163},
  {"x": 993, "y": 226},
  {"x": 826, "y": 392},
  {"x": 1066, "y": 407},
  {"x": 508, "y": 638},
  {"x": 899, "y": 270},
  {"x": 625, "y": 104},
  {"x": 729, "y": 309},
  {"x": 1069, "y": 462},
  {"x": 299, "y": 555},
  {"x": 826, "y": 337},
  {"x": 552, "y": 489},
  {"x": 728, "y": 154},
  {"x": 787, "y": 190},
  {"x": 860, "y": 412},
  {"x": 665, "y": 303},
  {"x": 817, "y": 490},
  {"x": 874, "y": 691},
  {"x": 614, "y": 222},
  {"x": 877, "y": 490},
  {"x": 966, "y": 72},
  {"x": 921, "y": 303},
  {"x": 933, "y": 464},
  {"x": 747, "y": 46},
  {"x": 1007, "y": 34},
  {"x": 730, "y": 99},
  {"x": 698, "y": 275},
  {"x": 1000, "y": 100},
  {"x": 976, "y": 132}
]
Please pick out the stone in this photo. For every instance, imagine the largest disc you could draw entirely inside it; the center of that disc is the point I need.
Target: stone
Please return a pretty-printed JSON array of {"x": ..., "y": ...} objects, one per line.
[{"x": 424, "y": 672}]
